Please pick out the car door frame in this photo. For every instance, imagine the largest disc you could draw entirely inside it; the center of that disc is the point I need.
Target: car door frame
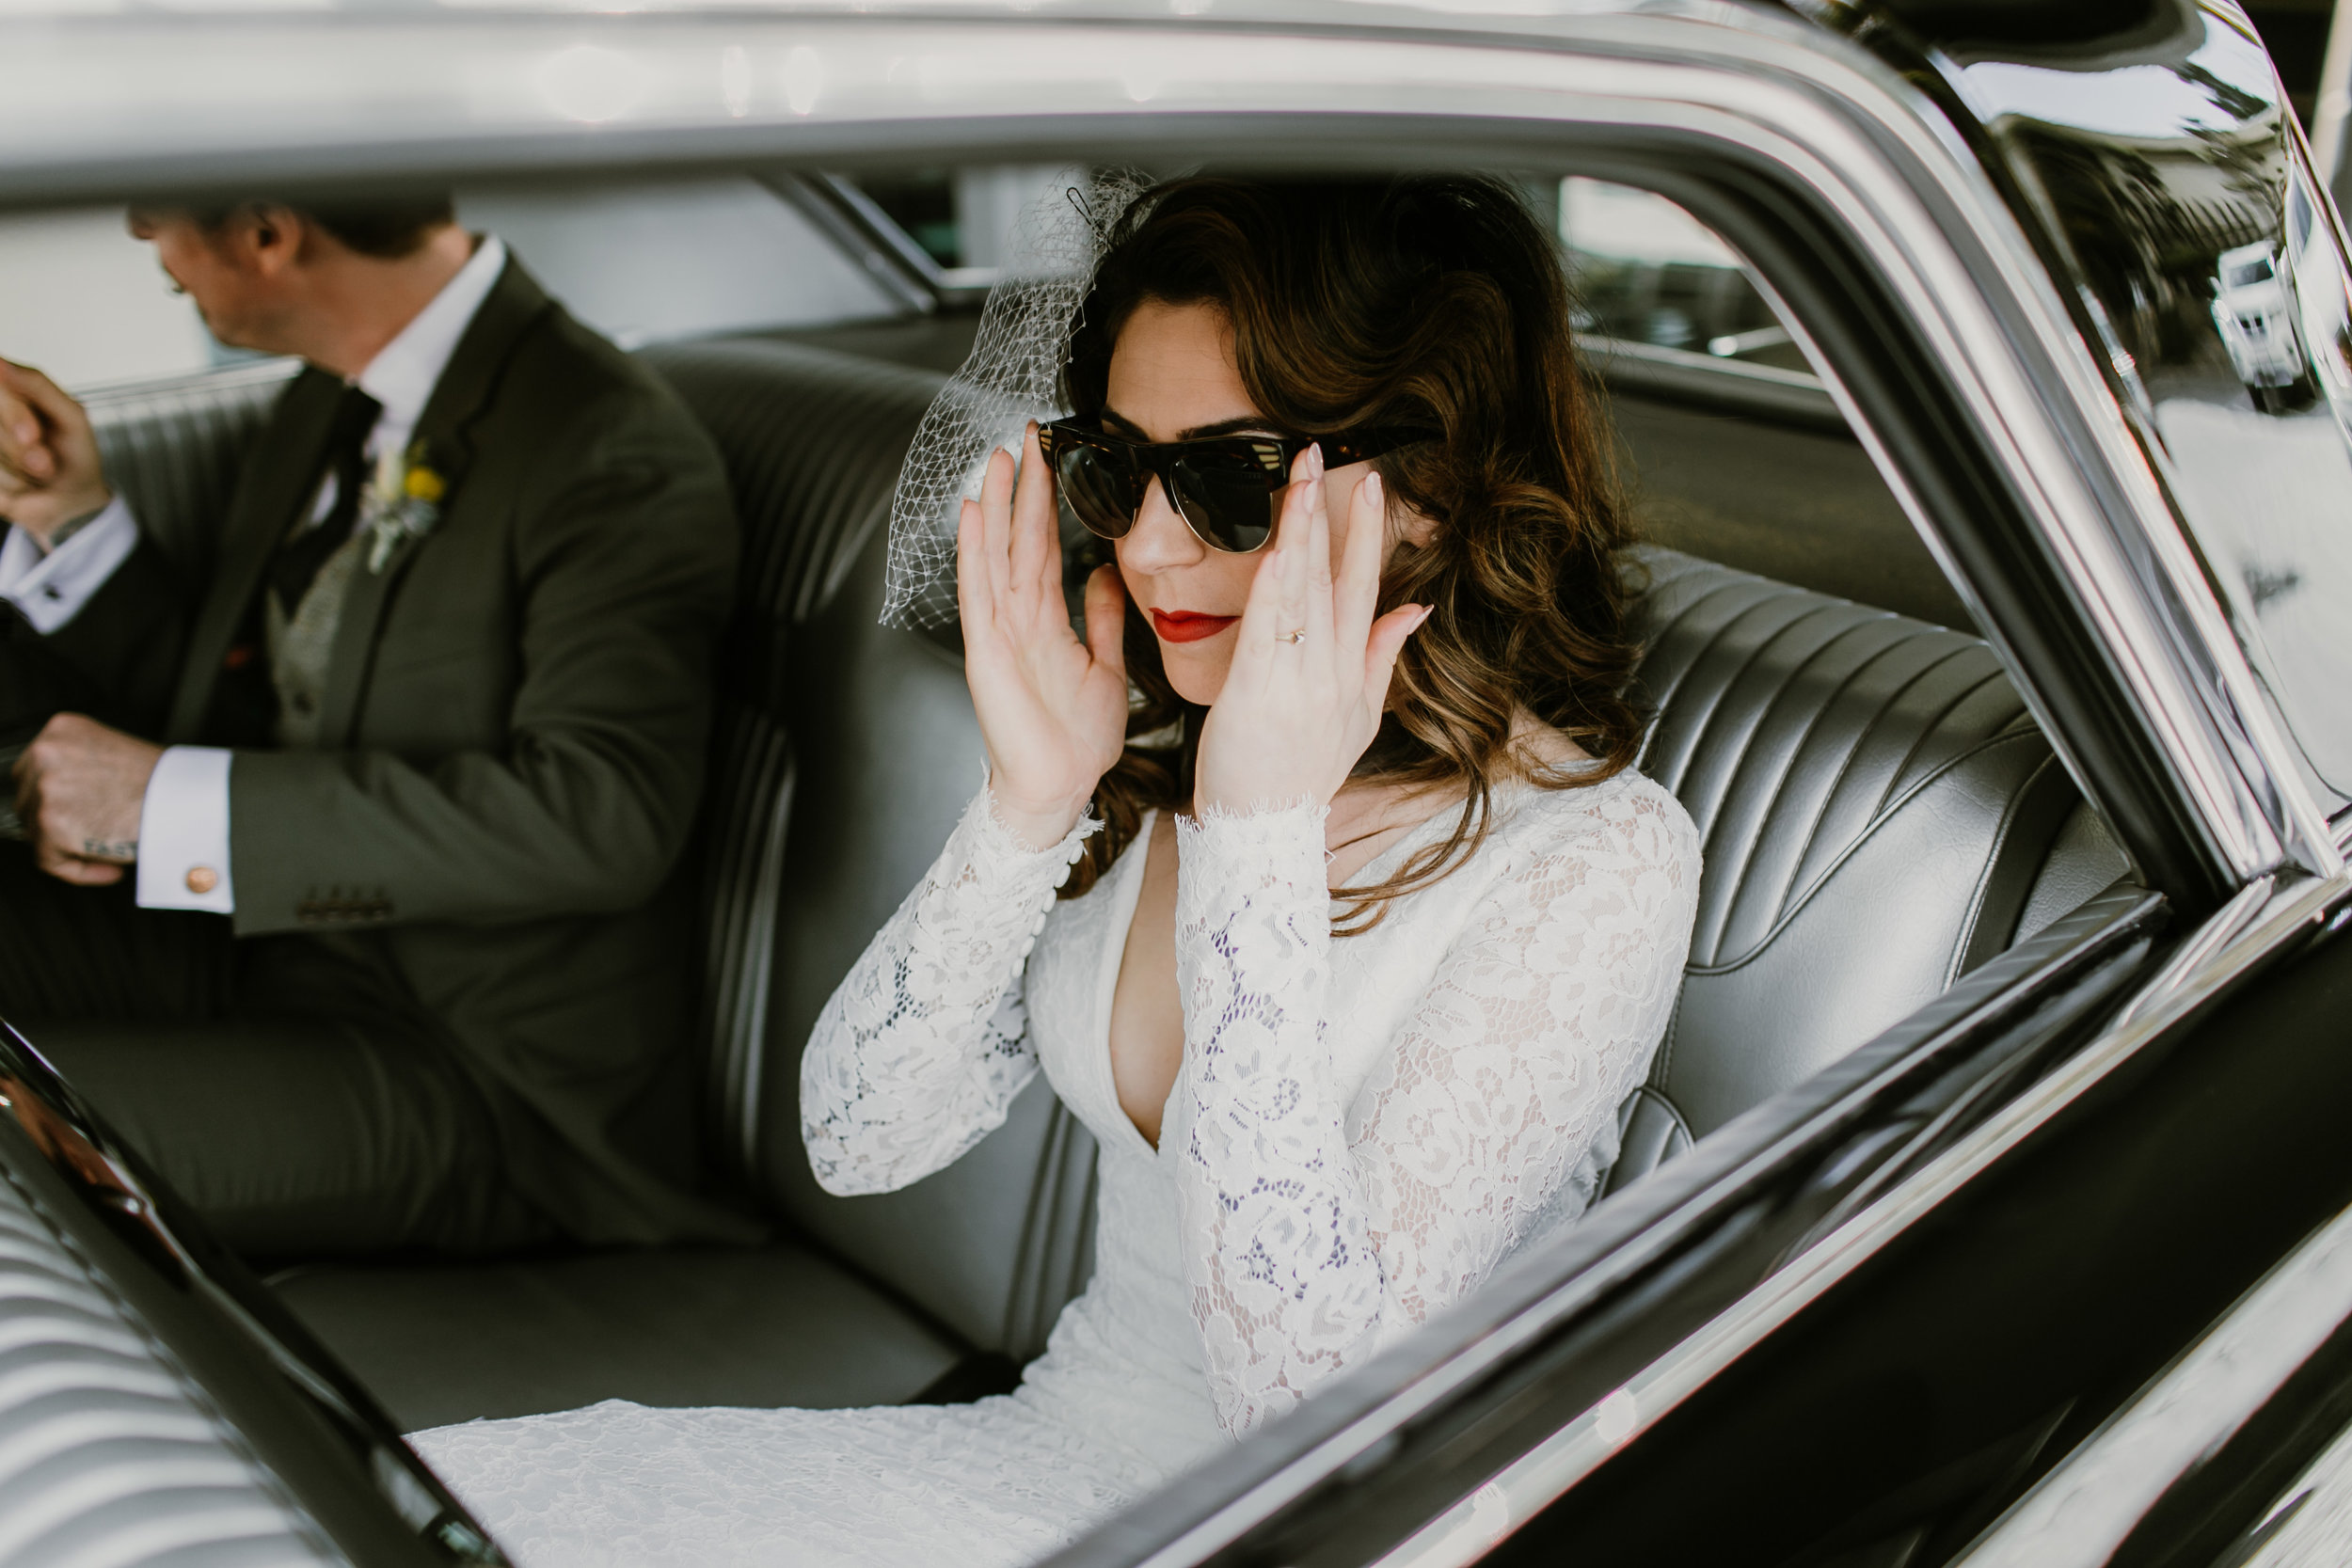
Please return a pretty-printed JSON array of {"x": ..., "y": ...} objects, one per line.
[{"x": 2035, "y": 497}]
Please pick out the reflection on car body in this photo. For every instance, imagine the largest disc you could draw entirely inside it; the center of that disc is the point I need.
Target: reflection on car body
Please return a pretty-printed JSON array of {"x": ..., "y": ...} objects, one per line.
[{"x": 1907, "y": 1241}]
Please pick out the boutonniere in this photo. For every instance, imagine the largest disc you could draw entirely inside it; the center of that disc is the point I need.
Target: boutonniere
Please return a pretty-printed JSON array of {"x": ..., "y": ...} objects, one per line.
[{"x": 403, "y": 504}]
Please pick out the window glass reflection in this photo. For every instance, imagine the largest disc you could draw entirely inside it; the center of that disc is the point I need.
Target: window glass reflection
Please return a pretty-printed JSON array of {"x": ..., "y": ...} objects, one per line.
[{"x": 1647, "y": 272}]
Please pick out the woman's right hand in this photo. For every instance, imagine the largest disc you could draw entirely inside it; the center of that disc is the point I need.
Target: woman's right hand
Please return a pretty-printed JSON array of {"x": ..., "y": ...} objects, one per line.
[{"x": 1053, "y": 711}]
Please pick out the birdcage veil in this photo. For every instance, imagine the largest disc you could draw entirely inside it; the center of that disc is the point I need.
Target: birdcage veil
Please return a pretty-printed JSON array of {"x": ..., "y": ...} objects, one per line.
[{"x": 1012, "y": 375}]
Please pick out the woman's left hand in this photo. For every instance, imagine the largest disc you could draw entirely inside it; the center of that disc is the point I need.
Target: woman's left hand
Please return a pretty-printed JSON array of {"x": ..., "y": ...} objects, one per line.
[{"x": 1296, "y": 711}]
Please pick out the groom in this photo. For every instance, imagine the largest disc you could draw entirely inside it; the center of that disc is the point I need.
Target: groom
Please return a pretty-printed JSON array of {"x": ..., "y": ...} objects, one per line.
[{"x": 346, "y": 889}]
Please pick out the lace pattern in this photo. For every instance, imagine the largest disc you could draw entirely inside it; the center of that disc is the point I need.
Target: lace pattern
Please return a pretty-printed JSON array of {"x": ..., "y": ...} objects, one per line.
[
  {"x": 993, "y": 1484},
  {"x": 1316, "y": 1231},
  {"x": 920, "y": 1050},
  {"x": 1360, "y": 1133}
]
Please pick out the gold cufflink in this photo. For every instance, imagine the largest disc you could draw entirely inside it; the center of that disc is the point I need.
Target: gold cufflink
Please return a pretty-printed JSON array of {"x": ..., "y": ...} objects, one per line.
[{"x": 202, "y": 878}]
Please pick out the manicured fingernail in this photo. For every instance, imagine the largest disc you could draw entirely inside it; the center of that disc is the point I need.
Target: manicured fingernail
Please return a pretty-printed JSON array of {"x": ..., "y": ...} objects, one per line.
[
  {"x": 1314, "y": 460},
  {"x": 1371, "y": 484},
  {"x": 1426, "y": 611}
]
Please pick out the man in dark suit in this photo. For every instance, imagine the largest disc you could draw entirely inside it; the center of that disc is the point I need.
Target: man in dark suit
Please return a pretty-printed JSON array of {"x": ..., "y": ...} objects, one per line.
[{"x": 348, "y": 893}]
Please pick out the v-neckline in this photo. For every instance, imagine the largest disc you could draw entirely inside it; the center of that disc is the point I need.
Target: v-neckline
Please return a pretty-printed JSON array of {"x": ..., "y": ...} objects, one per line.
[{"x": 1127, "y": 893}]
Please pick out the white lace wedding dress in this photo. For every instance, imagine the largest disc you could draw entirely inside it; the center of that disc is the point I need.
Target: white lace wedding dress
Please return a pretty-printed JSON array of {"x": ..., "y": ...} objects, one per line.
[{"x": 1362, "y": 1128}]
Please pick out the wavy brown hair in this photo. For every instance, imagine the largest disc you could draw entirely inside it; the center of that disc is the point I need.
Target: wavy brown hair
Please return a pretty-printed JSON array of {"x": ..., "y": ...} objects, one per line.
[{"x": 1430, "y": 301}]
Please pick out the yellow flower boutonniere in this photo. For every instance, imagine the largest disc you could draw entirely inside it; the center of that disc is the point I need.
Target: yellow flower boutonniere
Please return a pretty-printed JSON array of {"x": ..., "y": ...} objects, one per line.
[{"x": 403, "y": 504}]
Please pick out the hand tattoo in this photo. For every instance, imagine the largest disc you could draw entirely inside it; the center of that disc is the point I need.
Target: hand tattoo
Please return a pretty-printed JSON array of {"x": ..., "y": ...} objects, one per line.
[{"x": 111, "y": 849}]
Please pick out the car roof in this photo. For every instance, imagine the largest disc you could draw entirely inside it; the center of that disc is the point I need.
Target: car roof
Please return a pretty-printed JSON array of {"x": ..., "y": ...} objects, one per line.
[{"x": 333, "y": 70}]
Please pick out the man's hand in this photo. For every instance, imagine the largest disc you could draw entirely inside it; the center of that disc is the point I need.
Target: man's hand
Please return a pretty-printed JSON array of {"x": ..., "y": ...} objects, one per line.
[
  {"x": 79, "y": 789},
  {"x": 50, "y": 473}
]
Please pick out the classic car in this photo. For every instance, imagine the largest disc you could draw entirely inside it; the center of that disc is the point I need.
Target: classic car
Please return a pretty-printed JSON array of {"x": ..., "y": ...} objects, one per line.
[{"x": 1989, "y": 1204}]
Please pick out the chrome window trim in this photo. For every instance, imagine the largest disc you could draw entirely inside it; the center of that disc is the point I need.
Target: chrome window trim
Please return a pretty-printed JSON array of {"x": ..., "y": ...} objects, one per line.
[
  {"x": 858, "y": 230},
  {"x": 2304, "y": 1525},
  {"x": 2091, "y": 1501},
  {"x": 1833, "y": 120},
  {"x": 2242, "y": 933},
  {"x": 1760, "y": 391},
  {"x": 106, "y": 1435}
]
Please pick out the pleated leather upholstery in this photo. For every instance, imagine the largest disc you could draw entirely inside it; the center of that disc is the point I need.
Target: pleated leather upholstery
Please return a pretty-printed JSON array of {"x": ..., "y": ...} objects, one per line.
[
  {"x": 814, "y": 843},
  {"x": 173, "y": 448},
  {"x": 1875, "y": 805}
]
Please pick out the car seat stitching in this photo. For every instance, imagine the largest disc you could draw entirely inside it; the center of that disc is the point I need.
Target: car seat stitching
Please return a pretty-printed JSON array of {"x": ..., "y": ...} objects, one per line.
[
  {"x": 1852, "y": 750},
  {"x": 1934, "y": 726},
  {"x": 1786, "y": 761},
  {"x": 1878, "y": 822},
  {"x": 1715, "y": 913},
  {"x": 1879, "y": 719},
  {"x": 1706, "y": 727},
  {"x": 1661, "y": 699}
]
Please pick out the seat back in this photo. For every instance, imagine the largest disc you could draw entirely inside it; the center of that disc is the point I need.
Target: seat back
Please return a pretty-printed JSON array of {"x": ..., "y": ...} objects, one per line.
[
  {"x": 1877, "y": 809},
  {"x": 173, "y": 448},
  {"x": 842, "y": 753},
  {"x": 847, "y": 750},
  {"x": 1878, "y": 813}
]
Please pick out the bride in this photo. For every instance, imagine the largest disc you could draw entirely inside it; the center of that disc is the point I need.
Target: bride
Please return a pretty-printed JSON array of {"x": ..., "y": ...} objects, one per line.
[{"x": 1315, "y": 878}]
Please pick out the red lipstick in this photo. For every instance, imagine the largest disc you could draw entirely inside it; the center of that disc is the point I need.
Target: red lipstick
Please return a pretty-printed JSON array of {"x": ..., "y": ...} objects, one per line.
[{"x": 1186, "y": 625}]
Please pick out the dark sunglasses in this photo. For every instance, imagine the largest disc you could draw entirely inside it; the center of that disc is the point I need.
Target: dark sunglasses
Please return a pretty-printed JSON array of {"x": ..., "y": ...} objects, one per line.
[{"x": 1227, "y": 488}]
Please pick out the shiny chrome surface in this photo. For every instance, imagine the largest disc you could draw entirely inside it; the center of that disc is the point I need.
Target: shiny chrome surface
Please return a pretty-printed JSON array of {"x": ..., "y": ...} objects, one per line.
[
  {"x": 2078, "y": 1515},
  {"x": 2310, "y": 1523},
  {"x": 109, "y": 1453},
  {"x": 162, "y": 1405},
  {"x": 2168, "y": 181},
  {"x": 100, "y": 106}
]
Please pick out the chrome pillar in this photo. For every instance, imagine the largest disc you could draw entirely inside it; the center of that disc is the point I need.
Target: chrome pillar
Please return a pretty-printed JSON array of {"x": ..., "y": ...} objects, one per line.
[{"x": 2331, "y": 109}]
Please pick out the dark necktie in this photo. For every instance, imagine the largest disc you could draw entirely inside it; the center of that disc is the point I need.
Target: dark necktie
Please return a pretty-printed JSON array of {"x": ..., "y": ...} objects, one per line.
[{"x": 299, "y": 559}]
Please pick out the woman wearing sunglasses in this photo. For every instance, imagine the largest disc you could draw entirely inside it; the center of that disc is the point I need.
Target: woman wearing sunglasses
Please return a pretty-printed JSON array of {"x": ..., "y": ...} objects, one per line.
[{"x": 1316, "y": 876}]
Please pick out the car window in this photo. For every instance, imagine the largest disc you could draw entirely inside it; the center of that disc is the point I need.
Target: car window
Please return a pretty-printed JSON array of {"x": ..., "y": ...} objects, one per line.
[
  {"x": 1664, "y": 304},
  {"x": 642, "y": 261},
  {"x": 1647, "y": 272},
  {"x": 85, "y": 303},
  {"x": 649, "y": 260},
  {"x": 964, "y": 218}
]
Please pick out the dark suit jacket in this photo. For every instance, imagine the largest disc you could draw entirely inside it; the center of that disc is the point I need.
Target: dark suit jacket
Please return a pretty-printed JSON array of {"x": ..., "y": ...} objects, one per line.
[{"x": 512, "y": 748}]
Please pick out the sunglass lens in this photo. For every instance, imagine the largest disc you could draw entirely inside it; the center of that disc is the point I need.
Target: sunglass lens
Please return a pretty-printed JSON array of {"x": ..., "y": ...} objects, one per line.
[
  {"x": 1102, "y": 497},
  {"x": 1233, "y": 509}
]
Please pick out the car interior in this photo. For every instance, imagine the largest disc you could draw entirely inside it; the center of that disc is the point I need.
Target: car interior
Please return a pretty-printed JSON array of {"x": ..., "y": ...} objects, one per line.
[{"x": 1880, "y": 811}]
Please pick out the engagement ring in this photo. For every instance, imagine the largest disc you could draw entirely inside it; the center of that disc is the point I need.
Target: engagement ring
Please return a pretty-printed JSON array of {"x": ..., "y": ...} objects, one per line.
[{"x": 1298, "y": 636}]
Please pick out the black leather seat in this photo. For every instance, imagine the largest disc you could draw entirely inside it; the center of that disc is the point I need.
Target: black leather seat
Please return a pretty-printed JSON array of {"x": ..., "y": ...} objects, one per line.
[
  {"x": 1880, "y": 814},
  {"x": 845, "y": 754}
]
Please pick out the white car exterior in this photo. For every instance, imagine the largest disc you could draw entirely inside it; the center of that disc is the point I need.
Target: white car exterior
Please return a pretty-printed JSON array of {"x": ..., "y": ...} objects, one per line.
[{"x": 2255, "y": 313}]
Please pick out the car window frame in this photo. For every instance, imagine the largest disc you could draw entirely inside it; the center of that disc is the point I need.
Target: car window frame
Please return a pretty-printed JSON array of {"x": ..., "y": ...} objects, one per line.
[{"x": 2070, "y": 541}]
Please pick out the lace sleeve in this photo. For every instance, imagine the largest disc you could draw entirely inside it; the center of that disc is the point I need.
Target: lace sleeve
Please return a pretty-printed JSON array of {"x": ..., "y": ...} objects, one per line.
[
  {"x": 923, "y": 1045},
  {"x": 1307, "y": 1248}
]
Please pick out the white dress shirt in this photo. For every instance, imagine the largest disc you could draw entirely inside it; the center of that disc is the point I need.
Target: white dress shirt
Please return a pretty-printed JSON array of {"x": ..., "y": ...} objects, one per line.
[{"x": 183, "y": 821}]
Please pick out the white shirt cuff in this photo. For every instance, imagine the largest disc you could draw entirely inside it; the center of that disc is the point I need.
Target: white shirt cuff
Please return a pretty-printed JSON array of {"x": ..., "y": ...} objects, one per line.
[
  {"x": 184, "y": 832},
  {"x": 51, "y": 589}
]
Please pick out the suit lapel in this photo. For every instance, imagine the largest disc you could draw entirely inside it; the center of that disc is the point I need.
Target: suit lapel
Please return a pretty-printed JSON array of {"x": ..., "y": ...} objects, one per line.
[
  {"x": 444, "y": 433},
  {"x": 279, "y": 476}
]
